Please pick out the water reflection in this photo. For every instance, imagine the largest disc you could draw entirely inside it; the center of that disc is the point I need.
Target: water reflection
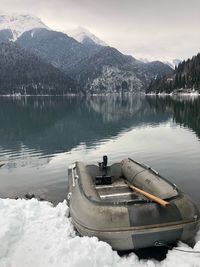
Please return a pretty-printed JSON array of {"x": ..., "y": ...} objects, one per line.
[
  {"x": 51, "y": 125},
  {"x": 185, "y": 110},
  {"x": 40, "y": 137}
]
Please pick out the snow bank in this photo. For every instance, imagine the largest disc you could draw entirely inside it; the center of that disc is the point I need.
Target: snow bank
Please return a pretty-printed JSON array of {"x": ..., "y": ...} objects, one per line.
[{"x": 36, "y": 234}]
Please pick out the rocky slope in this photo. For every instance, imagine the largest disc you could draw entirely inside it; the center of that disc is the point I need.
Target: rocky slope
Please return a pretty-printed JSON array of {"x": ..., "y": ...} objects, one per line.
[{"x": 110, "y": 70}]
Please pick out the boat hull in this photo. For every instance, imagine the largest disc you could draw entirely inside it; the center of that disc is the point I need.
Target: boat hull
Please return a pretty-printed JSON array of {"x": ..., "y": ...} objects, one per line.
[
  {"x": 128, "y": 225},
  {"x": 135, "y": 238}
]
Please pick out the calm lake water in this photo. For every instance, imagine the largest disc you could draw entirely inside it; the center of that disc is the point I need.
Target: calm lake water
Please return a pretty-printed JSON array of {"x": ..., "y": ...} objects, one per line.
[{"x": 41, "y": 136}]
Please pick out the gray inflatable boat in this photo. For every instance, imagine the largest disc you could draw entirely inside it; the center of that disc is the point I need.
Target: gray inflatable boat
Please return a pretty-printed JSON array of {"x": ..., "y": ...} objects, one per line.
[{"x": 102, "y": 204}]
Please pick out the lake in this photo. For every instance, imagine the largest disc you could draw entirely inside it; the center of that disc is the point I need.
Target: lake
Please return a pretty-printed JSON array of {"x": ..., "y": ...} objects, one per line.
[{"x": 41, "y": 136}]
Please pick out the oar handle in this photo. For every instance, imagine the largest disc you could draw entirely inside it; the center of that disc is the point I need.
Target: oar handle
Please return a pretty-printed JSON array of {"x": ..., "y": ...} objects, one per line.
[
  {"x": 1, "y": 164},
  {"x": 150, "y": 196}
]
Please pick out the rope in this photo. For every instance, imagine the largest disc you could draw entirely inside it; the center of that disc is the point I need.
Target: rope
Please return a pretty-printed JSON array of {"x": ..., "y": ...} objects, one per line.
[{"x": 160, "y": 244}]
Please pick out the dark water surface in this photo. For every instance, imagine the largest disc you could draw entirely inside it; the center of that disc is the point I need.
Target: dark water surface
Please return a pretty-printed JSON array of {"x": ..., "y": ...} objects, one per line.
[{"x": 41, "y": 136}]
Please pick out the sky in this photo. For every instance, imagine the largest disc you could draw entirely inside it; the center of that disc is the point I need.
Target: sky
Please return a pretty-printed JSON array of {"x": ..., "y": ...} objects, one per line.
[{"x": 152, "y": 29}]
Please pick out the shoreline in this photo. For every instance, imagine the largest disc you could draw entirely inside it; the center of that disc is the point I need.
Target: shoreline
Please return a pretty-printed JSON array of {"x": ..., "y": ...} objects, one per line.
[{"x": 18, "y": 95}]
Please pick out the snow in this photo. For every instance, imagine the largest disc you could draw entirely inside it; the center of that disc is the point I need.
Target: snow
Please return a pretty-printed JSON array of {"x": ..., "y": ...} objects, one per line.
[
  {"x": 19, "y": 23},
  {"x": 80, "y": 34},
  {"x": 34, "y": 233},
  {"x": 171, "y": 62}
]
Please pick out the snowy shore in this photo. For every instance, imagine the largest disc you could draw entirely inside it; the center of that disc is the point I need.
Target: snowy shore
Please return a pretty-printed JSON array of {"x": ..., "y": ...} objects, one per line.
[{"x": 34, "y": 233}]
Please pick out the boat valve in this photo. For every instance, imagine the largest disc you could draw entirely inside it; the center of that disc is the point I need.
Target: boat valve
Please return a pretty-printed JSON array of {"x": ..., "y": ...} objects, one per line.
[
  {"x": 158, "y": 244},
  {"x": 69, "y": 195}
]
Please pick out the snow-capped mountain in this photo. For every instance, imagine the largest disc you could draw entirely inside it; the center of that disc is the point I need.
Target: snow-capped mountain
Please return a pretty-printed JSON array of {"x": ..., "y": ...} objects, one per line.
[
  {"x": 173, "y": 62},
  {"x": 17, "y": 24},
  {"x": 169, "y": 61},
  {"x": 84, "y": 36},
  {"x": 86, "y": 59}
]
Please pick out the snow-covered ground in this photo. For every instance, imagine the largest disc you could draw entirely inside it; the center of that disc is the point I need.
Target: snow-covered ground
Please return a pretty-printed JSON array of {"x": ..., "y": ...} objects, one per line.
[{"x": 34, "y": 233}]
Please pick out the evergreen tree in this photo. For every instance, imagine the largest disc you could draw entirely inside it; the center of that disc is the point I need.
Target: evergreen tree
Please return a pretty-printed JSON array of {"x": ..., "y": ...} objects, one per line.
[{"x": 186, "y": 76}]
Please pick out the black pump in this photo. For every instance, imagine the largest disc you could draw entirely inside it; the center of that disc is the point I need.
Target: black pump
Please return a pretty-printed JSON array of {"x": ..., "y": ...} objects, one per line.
[
  {"x": 105, "y": 162},
  {"x": 103, "y": 178},
  {"x": 103, "y": 165}
]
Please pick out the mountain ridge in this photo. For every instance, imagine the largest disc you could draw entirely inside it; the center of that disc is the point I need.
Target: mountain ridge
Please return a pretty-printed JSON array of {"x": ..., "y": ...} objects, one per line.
[
  {"x": 95, "y": 67},
  {"x": 110, "y": 70},
  {"x": 55, "y": 47}
]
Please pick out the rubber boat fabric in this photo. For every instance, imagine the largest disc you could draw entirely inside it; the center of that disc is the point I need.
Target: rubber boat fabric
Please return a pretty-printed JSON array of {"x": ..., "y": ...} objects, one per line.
[{"x": 103, "y": 205}]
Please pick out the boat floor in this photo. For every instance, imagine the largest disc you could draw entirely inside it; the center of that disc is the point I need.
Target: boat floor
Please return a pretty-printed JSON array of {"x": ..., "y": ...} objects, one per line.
[{"x": 118, "y": 191}]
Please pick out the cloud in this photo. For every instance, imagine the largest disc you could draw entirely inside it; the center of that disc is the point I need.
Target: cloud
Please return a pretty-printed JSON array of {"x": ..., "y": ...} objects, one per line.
[{"x": 149, "y": 28}]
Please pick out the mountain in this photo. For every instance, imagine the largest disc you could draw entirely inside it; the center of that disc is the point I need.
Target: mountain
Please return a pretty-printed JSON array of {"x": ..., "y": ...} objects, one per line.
[
  {"x": 88, "y": 39},
  {"x": 25, "y": 73},
  {"x": 92, "y": 64},
  {"x": 17, "y": 24},
  {"x": 55, "y": 47},
  {"x": 173, "y": 63},
  {"x": 85, "y": 37},
  {"x": 185, "y": 78},
  {"x": 110, "y": 70},
  {"x": 144, "y": 60},
  {"x": 5, "y": 36},
  {"x": 96, "y": 68},
  {"x": 157, "y": 68}
]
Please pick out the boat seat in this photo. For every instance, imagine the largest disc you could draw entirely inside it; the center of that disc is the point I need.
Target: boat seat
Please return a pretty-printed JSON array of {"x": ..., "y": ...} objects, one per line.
[
  {"x": 115, "y": 171},
  {"x": 87, "y": 181},
  {"x": 103, "y": 180}
]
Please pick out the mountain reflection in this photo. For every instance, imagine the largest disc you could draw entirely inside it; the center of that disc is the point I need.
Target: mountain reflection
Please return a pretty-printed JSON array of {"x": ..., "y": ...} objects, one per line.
[
  {"x": 185, "y": 110},
  {"x": 52, "y": 125},
  {"x": 58, "y": 124}
]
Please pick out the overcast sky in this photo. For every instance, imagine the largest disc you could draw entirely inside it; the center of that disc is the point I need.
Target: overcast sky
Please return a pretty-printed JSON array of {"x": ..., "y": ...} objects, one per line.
[{"x": 154, "y": 29}]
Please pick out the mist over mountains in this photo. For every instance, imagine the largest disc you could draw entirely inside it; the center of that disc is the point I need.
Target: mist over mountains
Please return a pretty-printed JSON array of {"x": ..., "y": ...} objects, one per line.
[
  {"x": 84, "y": 36},
  {"x": 84, "y": 64}
]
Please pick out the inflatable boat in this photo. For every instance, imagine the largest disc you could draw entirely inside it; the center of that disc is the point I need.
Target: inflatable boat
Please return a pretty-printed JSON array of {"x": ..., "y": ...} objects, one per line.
[{"x": 129, "y": 205}]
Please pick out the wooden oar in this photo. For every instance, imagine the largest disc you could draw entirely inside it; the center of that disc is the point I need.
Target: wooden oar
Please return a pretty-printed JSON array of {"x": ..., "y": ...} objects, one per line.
[
  {"x": 150, "y": 196},
  {"x": 1, "y": 164}
]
